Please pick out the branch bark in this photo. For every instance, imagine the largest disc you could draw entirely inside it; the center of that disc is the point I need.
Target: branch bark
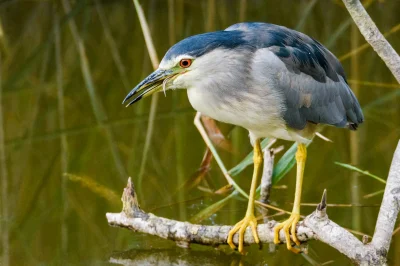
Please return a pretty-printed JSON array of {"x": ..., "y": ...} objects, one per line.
[
  {"x": 374, "y": 37},
  {"x": 316, "y": 226},
  {"x": 266, "y": 179}
]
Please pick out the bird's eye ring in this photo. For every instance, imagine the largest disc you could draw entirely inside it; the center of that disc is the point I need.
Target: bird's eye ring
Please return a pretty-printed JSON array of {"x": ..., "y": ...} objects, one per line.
[{"x": 185, "y": 63}]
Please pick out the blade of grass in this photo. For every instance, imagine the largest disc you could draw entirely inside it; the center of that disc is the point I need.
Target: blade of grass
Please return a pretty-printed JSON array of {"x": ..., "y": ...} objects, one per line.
[
  {"x": 154, "y": 99},
  {"x": 396, "y": 231},
  {"x": 242, "y": 10},
  {"x": 379, "y": 192},
  {"x": 340, "y": 205},
  {"x": 355, "y": 186},
  {"x": 93, "y": 229},
  {"x": 207, "y": 140},
  {"x": 210, "y": 15},
  {"x": 96, "y": 127},
  {"x": 353, "y": 168},
  {"x": 63, "y": 139},
  {"x": 30, "y": 195},
  {"x": 210, "y": 210},
  {"x": 343, "y": 27},
  {"x": 5, "y": 214},
  {"x": 95, "y": 187},
  {"x": 374, "y": 84},
  {"x": 98, "y": 109},
  {"x": 304, "y": 15},
  {"x": 179, "y": 128},
  {"x": 285, "y": 164},
  {"x": 3, "y": 40},
  {"x": 33, "y": 120},
  {"x": 248, "y": 160},
  {"x": 339, "y": 31},
  {"x": 391, "y": 96},
  {"x": 113, "y": 46},
  {"x": 26, "y": 67},
  {"x": 366, "y": 45}
]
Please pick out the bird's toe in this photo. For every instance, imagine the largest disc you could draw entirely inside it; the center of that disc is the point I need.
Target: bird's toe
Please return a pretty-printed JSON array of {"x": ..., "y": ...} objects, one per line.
[
  {"x": 289, "y": 228},
  {"x": 240, "y": 228}
]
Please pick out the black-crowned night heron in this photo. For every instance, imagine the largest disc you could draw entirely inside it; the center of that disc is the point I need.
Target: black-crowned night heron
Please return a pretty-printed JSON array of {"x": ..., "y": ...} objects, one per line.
[{"x": 271, "y": 80}]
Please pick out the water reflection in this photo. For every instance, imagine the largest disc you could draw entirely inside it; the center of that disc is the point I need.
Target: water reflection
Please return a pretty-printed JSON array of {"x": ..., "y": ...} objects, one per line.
[{"x": 176, "y": 256}]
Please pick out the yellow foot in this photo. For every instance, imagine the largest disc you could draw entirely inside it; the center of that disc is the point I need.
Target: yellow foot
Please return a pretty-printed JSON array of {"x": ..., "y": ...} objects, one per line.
[
  {"x": 289, "y": 224},
  {"x": 248, "y": 220}
]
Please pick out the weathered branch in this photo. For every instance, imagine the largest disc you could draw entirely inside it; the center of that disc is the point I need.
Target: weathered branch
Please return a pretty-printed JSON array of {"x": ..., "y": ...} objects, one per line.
[
  {"x": 373, "y": 36},
  {"x": 315, "y": 226},
  {"x": 390, "y": 207},
  {"x": 184, "y": 233},
  {"x": 266, "y": 179}
]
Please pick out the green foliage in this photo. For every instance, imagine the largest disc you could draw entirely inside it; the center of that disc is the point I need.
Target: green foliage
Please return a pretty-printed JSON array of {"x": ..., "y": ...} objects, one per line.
[
  {"x": 284, "y": 165},
  {"x": 213, "y": 208},
  {"x": 248, "y": 160},
  {"x": 353, "y": 168}
]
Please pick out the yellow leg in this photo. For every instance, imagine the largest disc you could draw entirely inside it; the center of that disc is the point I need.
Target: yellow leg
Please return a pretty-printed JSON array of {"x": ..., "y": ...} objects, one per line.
[
  {"x": 290, "y": 224},
  {"x": 249, "y": 219}
]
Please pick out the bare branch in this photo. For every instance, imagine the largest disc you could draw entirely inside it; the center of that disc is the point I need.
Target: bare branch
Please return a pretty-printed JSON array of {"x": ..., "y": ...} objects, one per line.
[
  {"x": 266, "y": 179},
  {"x": 373, "y": 36},
  {"x": 315, "y": 226},
  {"x": 390, "y": 207},
  {"x": 133, "y": 218}
]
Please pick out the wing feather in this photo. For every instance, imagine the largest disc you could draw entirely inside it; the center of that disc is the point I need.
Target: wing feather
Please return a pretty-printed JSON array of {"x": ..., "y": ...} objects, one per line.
[{"x": 311, "y": 79}]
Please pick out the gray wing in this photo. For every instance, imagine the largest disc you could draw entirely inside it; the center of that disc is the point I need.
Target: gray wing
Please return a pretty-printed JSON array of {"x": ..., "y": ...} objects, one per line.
[{"x": 311, "y": 78}]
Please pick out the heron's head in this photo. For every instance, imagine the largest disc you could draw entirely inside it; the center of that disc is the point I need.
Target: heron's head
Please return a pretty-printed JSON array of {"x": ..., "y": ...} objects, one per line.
[{"x": 191, "y": 61}]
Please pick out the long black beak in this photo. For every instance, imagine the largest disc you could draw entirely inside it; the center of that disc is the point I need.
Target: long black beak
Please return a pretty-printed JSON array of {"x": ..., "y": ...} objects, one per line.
[{"x": 148, "y": 86}]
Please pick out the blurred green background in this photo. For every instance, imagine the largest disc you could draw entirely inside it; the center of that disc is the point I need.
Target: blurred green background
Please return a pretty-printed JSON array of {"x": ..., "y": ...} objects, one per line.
[{"x": 67, "y": 65}]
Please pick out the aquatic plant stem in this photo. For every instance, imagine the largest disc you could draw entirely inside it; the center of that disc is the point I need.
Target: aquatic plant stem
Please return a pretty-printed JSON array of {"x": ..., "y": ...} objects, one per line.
[
  {"x": 207, "y": 140},
  {"x": 112, "y": 44},
  {"x": 5, "y": 214},
  {"x": 355, "y": 185},
  {"x": 97, "y": 106},
  {"x": 154, "y": 97},
  {"x": 63, "y": 139}
]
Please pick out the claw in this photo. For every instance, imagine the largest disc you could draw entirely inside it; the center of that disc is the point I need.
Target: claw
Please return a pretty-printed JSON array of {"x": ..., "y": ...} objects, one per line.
[
  {"x": 241, "y": 226},
  {"x": 289, "y": 224}
]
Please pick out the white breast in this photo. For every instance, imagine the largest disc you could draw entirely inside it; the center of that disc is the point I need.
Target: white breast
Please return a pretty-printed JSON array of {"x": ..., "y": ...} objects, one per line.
[
  {"x": 245, "y": 114},
  {"x": 236, "y": 95},
  {"x": 206, "y": 103}
]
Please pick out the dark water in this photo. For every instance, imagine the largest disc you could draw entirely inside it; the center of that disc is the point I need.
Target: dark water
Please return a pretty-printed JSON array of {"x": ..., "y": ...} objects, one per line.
[{"x": 58, "y": 119}]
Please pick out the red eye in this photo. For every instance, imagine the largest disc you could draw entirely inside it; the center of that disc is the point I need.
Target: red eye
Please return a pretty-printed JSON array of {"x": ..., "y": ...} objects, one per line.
[{"x": 185, "y": 63}]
